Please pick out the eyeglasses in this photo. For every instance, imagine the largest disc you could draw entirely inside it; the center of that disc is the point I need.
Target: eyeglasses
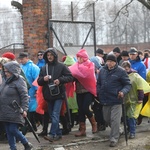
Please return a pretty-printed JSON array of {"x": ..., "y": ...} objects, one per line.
[
  {"x": 6, "y": 71},
  {"x": 40, "y": 54}
]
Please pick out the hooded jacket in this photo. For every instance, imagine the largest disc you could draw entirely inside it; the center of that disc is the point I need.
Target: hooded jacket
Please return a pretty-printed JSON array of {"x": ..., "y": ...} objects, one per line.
[
  {"x": 31, "y": 72},
  {"x": 13, "y": 88},
  {"x": 57, "y": 70},
  {"x": 139, "y": 66},
  {"x": 85, "y": 74}
]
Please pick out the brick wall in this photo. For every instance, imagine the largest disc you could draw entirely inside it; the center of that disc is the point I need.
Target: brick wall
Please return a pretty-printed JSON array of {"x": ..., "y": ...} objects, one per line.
[{"x": 35, "y": 26}]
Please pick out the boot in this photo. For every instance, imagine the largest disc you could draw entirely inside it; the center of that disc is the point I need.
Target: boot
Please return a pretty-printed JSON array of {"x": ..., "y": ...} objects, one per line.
[
  {"x": 66, "y": 126},
  {"x": 82, "y": 130},
  {"x": 28, "y": 146},
  {"x": 94, "y": 124},
  {"x": 43, "y": 133}
]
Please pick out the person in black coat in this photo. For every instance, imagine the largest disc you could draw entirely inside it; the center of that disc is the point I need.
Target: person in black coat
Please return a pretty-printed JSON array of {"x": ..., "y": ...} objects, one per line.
[{"x": 54, "y": 74}]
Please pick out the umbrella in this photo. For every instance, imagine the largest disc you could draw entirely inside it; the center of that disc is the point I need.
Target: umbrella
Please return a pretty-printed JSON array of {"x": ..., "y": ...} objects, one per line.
[
  {"x": 17, "y": 106},
  {"x": 124, "y": 121}
]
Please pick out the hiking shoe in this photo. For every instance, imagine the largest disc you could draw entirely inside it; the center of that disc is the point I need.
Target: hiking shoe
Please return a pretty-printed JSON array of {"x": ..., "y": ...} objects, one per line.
[
  {"x": 112, "y": 144},
  {"x": 101, "y": 127},
  {"x": 139, "y": 120},
  {"x": 49, "y": 138},
  {"x": 132, "y": 136},
  {"x": 65, "y": 131},
  {"x": 28, "y": 146},
  {"x": 58, "y": 137},
  {"x": 43, "y": 133}
]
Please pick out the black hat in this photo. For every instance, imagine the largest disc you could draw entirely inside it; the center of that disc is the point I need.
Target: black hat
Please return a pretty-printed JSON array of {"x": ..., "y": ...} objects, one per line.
[
  {"x": 111, "y": 57},
  {"x": 133, "y": 50},
  {"x": 23, "y": 54},
  {"x": 100, "y": 51},
  {"x": 124, "y": 53},
  {"x": 116, "y": 49}
]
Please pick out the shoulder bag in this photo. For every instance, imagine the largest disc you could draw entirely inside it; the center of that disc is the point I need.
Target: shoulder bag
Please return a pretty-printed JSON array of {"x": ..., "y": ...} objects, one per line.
[{"x": 53, "y": 88}]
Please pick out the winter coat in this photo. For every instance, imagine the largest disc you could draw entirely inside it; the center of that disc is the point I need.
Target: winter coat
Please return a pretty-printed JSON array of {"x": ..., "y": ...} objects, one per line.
[
  {"x": 60, "y": 72},
  {"x": 139, "y": 66},
  {"x": 14, "y": 88},
  {"x": 110, "y": 83},
  {"x": 31, "y": 72},
  {"x": 40, "y": 63}
]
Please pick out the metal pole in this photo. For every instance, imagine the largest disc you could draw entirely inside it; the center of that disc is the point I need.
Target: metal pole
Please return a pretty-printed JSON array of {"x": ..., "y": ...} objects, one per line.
[
  {"x": 49, "y": 16},
  {"x": 18, "y": 107},
  {"x": 86, "y": 37},
  {"x": 124, "y": 121},
  {"x": 94, "y": 29},
  {"x": 71, "y": 11},
  {"x": 57, "y": 39},
  {"x": 14, "y": 48}
]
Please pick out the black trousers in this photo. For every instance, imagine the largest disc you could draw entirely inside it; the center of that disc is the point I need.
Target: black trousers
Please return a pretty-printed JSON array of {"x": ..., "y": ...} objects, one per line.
[{"x": 84, "y": 101}]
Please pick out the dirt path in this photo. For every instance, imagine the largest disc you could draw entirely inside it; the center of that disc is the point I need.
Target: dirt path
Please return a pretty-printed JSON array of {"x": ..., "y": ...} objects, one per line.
[{"x": 97, "y": 141}]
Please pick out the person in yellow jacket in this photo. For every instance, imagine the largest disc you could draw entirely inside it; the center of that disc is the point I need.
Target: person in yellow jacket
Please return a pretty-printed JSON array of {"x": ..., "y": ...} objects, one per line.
[{"x": 134, "y": 99}]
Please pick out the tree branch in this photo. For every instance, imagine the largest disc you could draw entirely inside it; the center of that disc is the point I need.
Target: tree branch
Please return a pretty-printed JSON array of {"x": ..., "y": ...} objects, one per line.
[
  {"x": 146, "y": 3},
  {"x": 125, "y": 6}
]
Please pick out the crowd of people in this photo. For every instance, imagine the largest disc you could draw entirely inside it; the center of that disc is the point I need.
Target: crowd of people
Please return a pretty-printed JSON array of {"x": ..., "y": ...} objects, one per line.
[{"x": 51, "y": 92}]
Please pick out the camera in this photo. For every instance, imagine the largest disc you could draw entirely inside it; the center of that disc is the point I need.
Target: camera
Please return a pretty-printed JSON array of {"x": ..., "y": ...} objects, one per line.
[{"x": 49, "y": 76}]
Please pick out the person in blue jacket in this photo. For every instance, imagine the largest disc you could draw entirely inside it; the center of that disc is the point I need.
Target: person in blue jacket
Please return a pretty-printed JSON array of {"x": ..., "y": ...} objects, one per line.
[
  {"x": 41, "y": 62},
  {"x": 136, "y": 62},
  {"x": 112, "y": 85},
  {"x": 31, "y": 72}
]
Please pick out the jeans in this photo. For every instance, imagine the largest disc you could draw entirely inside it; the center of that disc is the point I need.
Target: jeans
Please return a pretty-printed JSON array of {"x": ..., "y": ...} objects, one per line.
[
  {"x": 54, "y": 109},
  {"x": 131, "y": 122},
  {"x": 13, "y": 133}
]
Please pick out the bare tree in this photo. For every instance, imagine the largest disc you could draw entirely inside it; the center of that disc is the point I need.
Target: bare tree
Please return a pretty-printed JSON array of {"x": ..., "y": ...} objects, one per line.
[{"x": 146, "y": 3}]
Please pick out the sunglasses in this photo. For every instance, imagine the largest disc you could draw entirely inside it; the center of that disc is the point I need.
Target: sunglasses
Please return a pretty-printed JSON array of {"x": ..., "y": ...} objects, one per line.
[{"x": 40, "y": 54}]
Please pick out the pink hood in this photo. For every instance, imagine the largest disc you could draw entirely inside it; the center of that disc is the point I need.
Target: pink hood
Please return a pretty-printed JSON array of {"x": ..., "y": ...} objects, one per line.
[{"x": 85, "y": 72}]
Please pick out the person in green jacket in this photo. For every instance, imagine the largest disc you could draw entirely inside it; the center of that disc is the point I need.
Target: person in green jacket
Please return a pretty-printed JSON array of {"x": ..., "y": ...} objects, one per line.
[{"x": 134, "y": 99}]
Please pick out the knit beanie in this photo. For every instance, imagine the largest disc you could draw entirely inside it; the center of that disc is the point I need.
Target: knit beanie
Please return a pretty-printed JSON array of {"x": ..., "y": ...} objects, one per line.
[
  {"x": 111, "y": 57},
  {"x": 9, "y": 55},
  {"x": 124, "y": 53},
  {"x": 116, "y": 49},
  {"x": 100, "y": 51}
]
